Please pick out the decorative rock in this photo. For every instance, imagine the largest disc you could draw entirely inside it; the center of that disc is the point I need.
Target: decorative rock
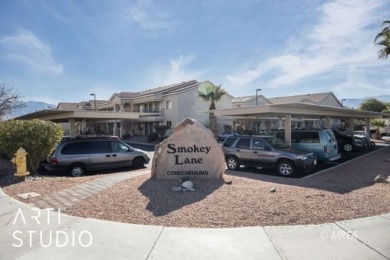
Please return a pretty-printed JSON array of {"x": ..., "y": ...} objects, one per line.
[
  {"x": 187, "y": 185},
  {"x": 177, "y": 189},
  {"x": 191, "y": 151},
  {"x": 379, "y": 179},
  {"x": 190, "y": 189},
  {"x": 272, "y": 190},
  {"x": 28, "y": 195}
]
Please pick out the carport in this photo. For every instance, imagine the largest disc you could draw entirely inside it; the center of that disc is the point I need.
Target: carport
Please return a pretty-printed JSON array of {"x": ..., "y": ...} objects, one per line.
[
  {"x": 298, "y": 110},
  {"x": 70, "y": 116}
]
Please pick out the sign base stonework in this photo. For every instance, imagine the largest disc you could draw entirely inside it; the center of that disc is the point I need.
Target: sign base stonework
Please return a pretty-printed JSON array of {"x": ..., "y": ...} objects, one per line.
[{"x": 191, "y": 151}]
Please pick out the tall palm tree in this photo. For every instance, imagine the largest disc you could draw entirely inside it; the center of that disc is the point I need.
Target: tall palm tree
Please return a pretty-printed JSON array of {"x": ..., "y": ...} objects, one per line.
[
  {"x": 211, "y": 93},
  {"x": 384, "y": 40}
]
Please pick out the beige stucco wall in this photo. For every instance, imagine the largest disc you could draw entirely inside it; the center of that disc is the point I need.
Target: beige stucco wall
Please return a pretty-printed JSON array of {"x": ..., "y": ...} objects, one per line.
[{"x": 188, "y": 104}]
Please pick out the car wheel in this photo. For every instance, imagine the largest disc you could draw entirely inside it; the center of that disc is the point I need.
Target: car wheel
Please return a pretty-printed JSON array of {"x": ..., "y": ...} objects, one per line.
[
  {"x": 347, "y": 147},
  {"x": 286, "y": 168},
  {"x": 232, "y": 163},
  {"x": 76, "y": 170},
  {"x": 138, "y": 163}
]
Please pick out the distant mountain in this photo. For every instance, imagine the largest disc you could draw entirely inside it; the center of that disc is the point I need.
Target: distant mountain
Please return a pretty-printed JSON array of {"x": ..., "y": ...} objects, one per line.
[
  {"x": 355, "y": 102},
  {"x": 31, "y": 106}
]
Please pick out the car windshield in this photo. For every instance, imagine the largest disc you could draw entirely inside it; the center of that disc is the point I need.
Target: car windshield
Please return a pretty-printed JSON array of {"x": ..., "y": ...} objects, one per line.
[{"x": 276, "y": 143}]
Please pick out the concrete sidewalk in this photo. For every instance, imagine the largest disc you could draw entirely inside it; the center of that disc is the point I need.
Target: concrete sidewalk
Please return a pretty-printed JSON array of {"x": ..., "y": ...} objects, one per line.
[{"x": 32, "y": 233}]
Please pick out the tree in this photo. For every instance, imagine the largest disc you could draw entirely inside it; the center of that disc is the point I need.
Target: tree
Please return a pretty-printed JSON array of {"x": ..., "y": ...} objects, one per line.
[
  {"x": 374, "y": 105},
  {"x": 211, "y": 93},
  {"x": 9, "y": 100},
  {"x": 383, "y": 39},
  {"x": 36, "y": 136}
]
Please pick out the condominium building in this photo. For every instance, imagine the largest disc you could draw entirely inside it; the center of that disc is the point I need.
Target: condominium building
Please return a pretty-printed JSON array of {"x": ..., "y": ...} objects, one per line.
[{"x": 165, "y": 105}]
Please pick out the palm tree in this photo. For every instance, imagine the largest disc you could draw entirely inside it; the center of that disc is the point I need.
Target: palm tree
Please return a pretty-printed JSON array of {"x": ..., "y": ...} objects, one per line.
[
  {"x": 384, "y": 41},
  {"x": 378, "y": 124},
  {"x": 211, "y": 93}
]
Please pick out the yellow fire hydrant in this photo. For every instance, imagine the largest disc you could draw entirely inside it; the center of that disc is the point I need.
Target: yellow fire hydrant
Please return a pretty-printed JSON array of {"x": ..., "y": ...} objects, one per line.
[{"x": 20, "y": 162}]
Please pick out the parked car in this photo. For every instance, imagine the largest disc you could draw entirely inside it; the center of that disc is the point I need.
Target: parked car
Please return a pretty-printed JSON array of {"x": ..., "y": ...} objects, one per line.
[
  {"x": 227, "y": 134},
  {"x": 320, "y": 141},
  {"x": 365, "y": 138},
  {"x": 267, "y": 151},
  {"x": 348, "y": 143},
  {"x": 79, "y": 155}
]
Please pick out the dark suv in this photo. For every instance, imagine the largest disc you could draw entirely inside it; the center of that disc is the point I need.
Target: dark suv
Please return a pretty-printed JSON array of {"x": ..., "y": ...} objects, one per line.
[
  {"x": 266, "y": 151},
  {"x": 348, "y": 143},
  {"x": 76, "y": 156}
]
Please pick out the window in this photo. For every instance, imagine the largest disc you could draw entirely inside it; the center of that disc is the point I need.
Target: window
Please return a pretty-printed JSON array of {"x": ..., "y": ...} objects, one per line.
[
  {"x": 168, "y": 104},
  {"x": 101, "y": 147},
  {"x": 157, "y": 107},
  {"x": 229, "y": 141},
  {"x": 258, "y": 144},
  {"x": 75, "y": 148},
  {"x": 305, "y": 137},
  {"x": 244, "y": 143},
  {"x": 118, "y": 147}
]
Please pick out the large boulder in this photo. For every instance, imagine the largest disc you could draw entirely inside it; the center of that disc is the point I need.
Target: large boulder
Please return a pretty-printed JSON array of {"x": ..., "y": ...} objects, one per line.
[{"x": 191, "y": 151}]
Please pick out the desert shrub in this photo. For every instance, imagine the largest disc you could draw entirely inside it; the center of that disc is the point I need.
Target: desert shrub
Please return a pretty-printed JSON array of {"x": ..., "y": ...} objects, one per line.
[{"x": 37, "y": 137}]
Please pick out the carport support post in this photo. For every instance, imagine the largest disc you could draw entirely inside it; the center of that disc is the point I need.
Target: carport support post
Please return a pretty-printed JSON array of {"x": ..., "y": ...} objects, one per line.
[
  {"x": 351, "y": 127},
  {"x": 368, "y": 127},
  {"x": 327, "y": 122},
  {"x": 72, "y": 128},
  {"x": 287, "y": 127}
]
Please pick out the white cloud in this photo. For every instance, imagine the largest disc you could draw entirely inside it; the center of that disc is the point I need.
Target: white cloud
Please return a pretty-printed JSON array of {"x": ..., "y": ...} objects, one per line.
[
  {"x": 176, "y": 71},
  {"x": 341, "y": 39},
  {"x": 26, "y": 48},
  {"x": 149, "y": 15}
]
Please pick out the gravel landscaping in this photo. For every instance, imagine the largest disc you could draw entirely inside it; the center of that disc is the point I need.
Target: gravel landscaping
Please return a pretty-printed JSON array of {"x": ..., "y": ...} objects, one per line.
[{"x": 240, "y": 199}]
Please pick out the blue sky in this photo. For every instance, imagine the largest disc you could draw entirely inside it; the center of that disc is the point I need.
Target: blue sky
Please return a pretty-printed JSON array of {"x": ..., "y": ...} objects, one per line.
[{"x": 63, "y": 50}]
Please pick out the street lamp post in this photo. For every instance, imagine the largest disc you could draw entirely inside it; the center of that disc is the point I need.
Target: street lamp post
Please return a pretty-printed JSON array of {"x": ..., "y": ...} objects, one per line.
[
  {"x": 256, "y": 94},
  {"x": 94, "y": 100}
]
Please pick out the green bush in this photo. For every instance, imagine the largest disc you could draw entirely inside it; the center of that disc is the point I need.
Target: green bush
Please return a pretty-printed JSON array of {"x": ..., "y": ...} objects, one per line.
[{"x": 37, "y": 137}]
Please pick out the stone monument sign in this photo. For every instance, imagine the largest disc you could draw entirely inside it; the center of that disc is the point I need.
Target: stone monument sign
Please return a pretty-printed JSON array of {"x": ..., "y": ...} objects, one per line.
[{"x": 191, "y": 151}]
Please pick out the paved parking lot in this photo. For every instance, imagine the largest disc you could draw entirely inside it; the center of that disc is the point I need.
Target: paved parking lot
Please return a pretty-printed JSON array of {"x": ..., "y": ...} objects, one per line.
[{"x": 320, "y": 166}]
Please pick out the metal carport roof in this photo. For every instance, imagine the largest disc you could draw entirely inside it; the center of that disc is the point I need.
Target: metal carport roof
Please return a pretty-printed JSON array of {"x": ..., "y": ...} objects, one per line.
[{"x": 298, "y": 109}]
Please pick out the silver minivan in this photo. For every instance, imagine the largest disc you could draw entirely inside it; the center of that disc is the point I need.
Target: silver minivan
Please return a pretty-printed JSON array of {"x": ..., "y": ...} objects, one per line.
[
  {"x": 320, "y": 141},
  {"x": 77, "y": 156}
]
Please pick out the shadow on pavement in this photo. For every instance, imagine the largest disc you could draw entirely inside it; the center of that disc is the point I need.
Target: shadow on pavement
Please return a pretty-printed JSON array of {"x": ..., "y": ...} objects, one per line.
[{"x": 161, "y": 204}]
